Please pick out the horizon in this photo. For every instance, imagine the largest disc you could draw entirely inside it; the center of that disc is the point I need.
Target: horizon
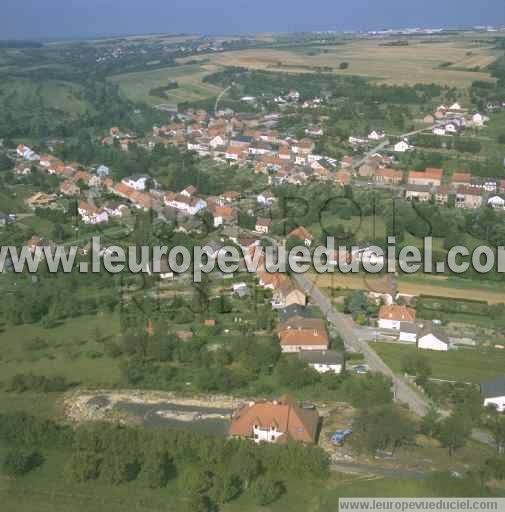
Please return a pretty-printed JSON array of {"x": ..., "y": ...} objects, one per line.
[{"x": 101, "y": 19}]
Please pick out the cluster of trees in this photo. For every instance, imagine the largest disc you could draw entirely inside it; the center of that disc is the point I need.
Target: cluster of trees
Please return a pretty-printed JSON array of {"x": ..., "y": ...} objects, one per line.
[
  {"x": 55, "y": 297},
  {"x": 457, "y": 143},
  {"x": 22, "y": 382},
  {"x": 388, "y": 427},
  {"x": 209, "y": 471},
  {"x": 385, "y": 427},
  {"x": 357, "y": 305}
]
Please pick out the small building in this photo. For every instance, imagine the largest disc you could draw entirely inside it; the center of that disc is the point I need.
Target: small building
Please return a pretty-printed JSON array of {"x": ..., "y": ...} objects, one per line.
[
  {"x": 496, "y": 202},
  {"x": 408, "y": 332},
  {"x": 421, "y": 193},
  {"x": 326, "y": 361},
  {"x": 493, "y": 393},
  {"x": 263, "y": 225},
  {"x": 432, "y": 337},
  {"x": 402, "y": 147}
]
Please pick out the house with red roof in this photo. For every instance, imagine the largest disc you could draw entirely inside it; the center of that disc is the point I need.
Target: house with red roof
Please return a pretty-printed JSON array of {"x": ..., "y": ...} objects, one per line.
[
  {"x": 276, "y": 421},
  {"x": 390, "y": 317}
]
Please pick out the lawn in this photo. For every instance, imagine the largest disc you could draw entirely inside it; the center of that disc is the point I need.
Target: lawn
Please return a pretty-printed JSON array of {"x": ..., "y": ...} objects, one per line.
[
  {"x": 73, "y": 351},
  {"x": 467, "y": 365}
]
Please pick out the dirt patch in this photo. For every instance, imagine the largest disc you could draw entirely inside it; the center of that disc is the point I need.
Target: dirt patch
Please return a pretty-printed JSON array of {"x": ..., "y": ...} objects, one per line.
[{"x": 100, "y": 405}]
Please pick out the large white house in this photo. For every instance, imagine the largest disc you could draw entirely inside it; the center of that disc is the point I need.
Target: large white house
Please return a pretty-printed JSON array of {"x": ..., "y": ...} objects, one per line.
[
  {"x": 493, "y": 393},
  {"x": 189, "y": 205},
  {"x": 324, "y": 361},
  {"x": 401, "y": 147},
  {"x": 431, "y": 337},
  {"x": 136, "y": 182}
]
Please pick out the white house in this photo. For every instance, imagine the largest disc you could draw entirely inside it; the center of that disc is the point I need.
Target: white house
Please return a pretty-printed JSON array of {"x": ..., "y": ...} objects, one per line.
[
  {"x": 91, "y": 215},
  {"x": 265, "y": 198},
  {"x": 263, "y": 225},
  {"x": 216, "y": 142},
  {"x": 455, "y": 106},
  {"x": 451, "y": 128},
  {"x": 102, "y": 171},
  {"x": 493, "y": 393},
  {"x": 478, "y": 119},
  {"x": 496, "y": 202},
  {"x": 357, "y": 141},
  {"x": 401, "y": 147},
  {"x": 439, "y": 130},
  {"x": 136, "y": 182},
  {"x": 376, "y": 135},
  {"x": 325, "y": 361},
  {"x": 391, "y": 317},
  {"x": 185, "y": 204},
  {"x": 431, "y": 337}
]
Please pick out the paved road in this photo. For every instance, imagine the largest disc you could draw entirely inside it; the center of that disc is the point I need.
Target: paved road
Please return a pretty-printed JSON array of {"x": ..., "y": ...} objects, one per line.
[
  {"x": 385, "y": 143},
  {"x": 346, "y": 328}
]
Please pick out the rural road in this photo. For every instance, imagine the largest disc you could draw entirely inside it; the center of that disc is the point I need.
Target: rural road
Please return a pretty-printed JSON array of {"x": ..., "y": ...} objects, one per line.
[
  {"x": 385, "y": 143},
  {"x": 345, "y": 326}
]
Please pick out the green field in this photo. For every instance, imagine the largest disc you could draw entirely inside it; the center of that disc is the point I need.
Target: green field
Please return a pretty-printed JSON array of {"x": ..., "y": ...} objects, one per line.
[
  {"x": 53, "y": 94},
  {"x": 72, "y": 352},
  {"x": 136, "y": 86},
  {"x": 48, "y": 489},
  {"x": 467, "y": 365}
]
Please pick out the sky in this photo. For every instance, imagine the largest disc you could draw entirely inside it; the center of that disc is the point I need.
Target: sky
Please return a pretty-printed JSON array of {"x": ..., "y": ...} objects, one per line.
[{"x": 37, "y": 19}]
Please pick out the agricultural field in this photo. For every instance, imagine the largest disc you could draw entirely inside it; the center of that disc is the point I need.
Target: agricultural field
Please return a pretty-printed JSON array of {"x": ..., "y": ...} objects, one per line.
[
  {"x": 438, "y": 286},
  {"x": 136, "y": 86},
  {"x": 447, "y": 61}
]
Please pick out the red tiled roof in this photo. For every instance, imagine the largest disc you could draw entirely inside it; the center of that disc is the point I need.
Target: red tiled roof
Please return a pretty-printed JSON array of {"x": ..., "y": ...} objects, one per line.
[
  {"x": 294, "y": 422},
  {"x": 398, "y": 313},
  {"x": 301, "y": 233}
]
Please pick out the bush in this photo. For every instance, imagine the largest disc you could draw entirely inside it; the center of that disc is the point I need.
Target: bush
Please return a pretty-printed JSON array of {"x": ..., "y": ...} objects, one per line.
[
  {"x": 19, "y": 463},
  {"x": 265, "y": 490}
]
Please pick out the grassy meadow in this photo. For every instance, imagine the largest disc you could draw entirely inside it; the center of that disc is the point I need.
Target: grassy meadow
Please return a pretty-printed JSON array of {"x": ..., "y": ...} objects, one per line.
[{"x": 468, "y": 365}]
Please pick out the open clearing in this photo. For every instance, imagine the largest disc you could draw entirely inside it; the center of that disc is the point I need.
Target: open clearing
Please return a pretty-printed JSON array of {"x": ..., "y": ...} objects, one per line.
[
  {"x": 438, "y": 286},
  {"x": 467, "y": 365},
  {"x": 136, "y": 86},
  {"x": 416, "y": 63}
]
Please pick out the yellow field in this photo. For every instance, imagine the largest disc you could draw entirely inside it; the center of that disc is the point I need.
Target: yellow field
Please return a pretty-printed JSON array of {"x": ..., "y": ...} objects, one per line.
[
  {"x": 413, "y": 287},
  {"x": 417, "y": 63}
]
